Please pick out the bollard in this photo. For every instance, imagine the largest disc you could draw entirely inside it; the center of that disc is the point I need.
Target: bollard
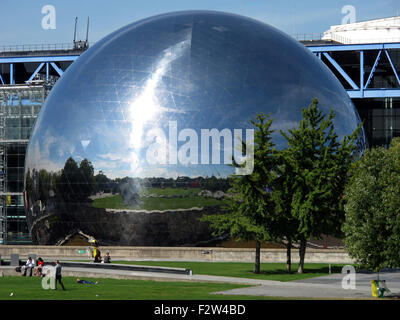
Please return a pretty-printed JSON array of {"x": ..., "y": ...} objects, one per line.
[{"x": 374, "y": 288}]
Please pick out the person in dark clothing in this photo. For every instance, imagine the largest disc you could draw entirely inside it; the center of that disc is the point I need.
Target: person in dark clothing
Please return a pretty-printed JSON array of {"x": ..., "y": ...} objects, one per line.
[
  {"x": 97, "y": 257},
  {"x": 107, "y": 258},
  {"x": 85, "y": 281},
  {"x": 58, "y": 275}
]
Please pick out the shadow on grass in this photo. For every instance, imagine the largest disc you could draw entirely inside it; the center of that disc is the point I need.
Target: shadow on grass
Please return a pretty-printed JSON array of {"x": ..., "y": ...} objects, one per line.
[{"x": 321, "y": 270}]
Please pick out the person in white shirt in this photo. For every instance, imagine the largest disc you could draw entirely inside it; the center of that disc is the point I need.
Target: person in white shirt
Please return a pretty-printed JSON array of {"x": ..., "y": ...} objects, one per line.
[{"x": 29, "y": 265}]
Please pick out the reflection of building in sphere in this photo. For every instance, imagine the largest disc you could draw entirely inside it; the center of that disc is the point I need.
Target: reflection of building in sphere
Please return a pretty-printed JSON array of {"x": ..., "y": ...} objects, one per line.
[{"x": 134, "y": 142}]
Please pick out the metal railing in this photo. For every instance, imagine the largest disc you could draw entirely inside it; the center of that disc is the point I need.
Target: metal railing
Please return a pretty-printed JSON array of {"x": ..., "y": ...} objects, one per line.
[
  {"x": 345, "y": 40},
  {"x": 307, "y": 36},
  {"x": 342, "y": 39},
  {"x": 38, "y": 47},
  {"x": 18, "y": 238}
]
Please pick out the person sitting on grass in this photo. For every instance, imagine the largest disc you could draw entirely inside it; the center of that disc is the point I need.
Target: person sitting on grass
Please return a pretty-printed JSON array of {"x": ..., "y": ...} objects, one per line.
[{"x": 85, "y": 281}]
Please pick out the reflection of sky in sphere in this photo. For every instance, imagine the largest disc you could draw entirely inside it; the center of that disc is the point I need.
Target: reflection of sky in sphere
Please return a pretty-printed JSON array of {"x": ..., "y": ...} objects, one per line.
[{"x": 203, "y": 70}]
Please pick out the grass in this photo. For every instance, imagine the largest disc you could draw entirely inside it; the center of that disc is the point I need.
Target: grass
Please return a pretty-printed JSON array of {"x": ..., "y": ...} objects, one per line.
[
  {"x": 174, "y": 191},
  {"x": 269, "y": 271},
  {"x": 29, "y": 288},
  {"x": 116, "y": 202}
]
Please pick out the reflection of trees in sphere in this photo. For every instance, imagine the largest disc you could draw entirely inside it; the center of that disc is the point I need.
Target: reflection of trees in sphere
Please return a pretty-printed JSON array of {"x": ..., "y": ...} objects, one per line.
[{"x": 133, "y": 143}]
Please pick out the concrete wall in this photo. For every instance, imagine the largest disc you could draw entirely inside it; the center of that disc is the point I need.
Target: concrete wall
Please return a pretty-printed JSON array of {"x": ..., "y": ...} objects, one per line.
[{"x": 176, "y": 253}]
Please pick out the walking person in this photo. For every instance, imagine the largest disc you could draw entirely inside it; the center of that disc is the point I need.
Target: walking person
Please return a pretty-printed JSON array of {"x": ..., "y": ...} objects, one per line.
[{"x": 58, "y": 275}]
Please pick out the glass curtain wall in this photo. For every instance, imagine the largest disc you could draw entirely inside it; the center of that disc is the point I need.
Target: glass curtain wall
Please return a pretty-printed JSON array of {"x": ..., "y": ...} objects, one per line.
[{"x": 19, "y": 106}]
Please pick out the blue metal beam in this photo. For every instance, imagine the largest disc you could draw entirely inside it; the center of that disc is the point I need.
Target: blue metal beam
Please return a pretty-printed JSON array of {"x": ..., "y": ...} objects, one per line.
[
  {"x": 374, "y": 93},
  {"x": 340, "y": 70},
  {"x": 1, "y": 79},
  {"x": 38, "y": 59},
  {"x": 12, "y": 80},
  {"x": 371, "y": 74},
  {"x": 47, "y": 71},
  {"x": 393, "y": 67},
  {"x": 59, "y": 71},
  {"x": 354, "y": 47},
  {"x": 362, "y": 91},
  {"x": 362, "y": 71},
  {"x": 36, "y": 71}
]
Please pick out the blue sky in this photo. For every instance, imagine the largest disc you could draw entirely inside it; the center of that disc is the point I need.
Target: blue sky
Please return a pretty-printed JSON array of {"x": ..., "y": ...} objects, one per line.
[{"x": 21, "y": 20}]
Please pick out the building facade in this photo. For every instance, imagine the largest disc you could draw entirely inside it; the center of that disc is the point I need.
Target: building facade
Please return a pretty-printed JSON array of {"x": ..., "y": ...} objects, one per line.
[
  {"x": 19, "y": 106},
  {"x": 27, "y": 74}
]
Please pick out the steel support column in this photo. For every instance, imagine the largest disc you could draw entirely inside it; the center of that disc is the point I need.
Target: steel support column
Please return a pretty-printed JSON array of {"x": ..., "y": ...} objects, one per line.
[
  {"x": 12, "y": 80},
  {"x": 362, "y": 72},
  {"x": 47, "y": 71}
]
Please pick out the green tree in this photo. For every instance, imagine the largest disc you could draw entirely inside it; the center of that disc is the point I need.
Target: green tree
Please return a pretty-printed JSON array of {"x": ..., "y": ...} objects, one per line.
[
  {"x": 87, "y": 181},
  {"x": 45, "y": 182},
  {"x": 69, "y": 179},
  {"x": 372, "y": 225},
  {"x": 102, "y": 182},
  {"x": 285, "y": 225},
  {"x": 316, "y": 165},
  {"x": 247, "y": 212}
]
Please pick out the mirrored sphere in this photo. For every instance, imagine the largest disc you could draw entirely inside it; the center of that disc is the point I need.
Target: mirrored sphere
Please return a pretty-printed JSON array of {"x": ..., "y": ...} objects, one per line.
[{"x": 134, "y": 142}]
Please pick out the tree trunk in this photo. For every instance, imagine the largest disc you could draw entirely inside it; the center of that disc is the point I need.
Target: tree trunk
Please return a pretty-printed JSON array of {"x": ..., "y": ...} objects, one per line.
[
  {"x": 257, "y": 262},
  {"x": 289, "y": 255},
  {"x": 302, "y": 254}
]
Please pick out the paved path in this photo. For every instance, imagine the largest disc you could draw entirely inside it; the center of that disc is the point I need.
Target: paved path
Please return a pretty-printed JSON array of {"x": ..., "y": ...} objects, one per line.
[
  {"x": 318, "y": 287},
  {"x": 324, "y": 287}
]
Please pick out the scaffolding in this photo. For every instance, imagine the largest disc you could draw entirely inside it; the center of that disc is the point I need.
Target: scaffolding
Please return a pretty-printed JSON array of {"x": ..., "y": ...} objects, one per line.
[
  {"x": 19, "y": 107},
  {"x": 3, "y": 187}
]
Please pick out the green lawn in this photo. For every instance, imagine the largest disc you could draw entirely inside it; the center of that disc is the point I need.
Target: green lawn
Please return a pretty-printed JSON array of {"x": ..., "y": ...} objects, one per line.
[
  {"x": 116, "y": 202},
  {"x": 269, "y": 271},
  {"x": 174, "y": 191},
  {"x": 29, "y": 288}
]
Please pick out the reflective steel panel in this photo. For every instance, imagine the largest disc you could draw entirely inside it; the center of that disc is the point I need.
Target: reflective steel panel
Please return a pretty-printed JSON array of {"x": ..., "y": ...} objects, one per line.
[{"x": 134, "y": 142}]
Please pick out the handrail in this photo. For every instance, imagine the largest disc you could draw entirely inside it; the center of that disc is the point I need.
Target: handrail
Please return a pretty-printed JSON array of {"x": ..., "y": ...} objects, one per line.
[{"x": 38, "y": 47}]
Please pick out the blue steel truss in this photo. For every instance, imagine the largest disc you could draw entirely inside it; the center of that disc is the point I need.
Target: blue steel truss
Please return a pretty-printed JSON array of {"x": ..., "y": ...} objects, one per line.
[
  {"x": 361, "y": 89},
  {"x": 44, "y": 62},
  {"x": 358, "y": 90}
]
